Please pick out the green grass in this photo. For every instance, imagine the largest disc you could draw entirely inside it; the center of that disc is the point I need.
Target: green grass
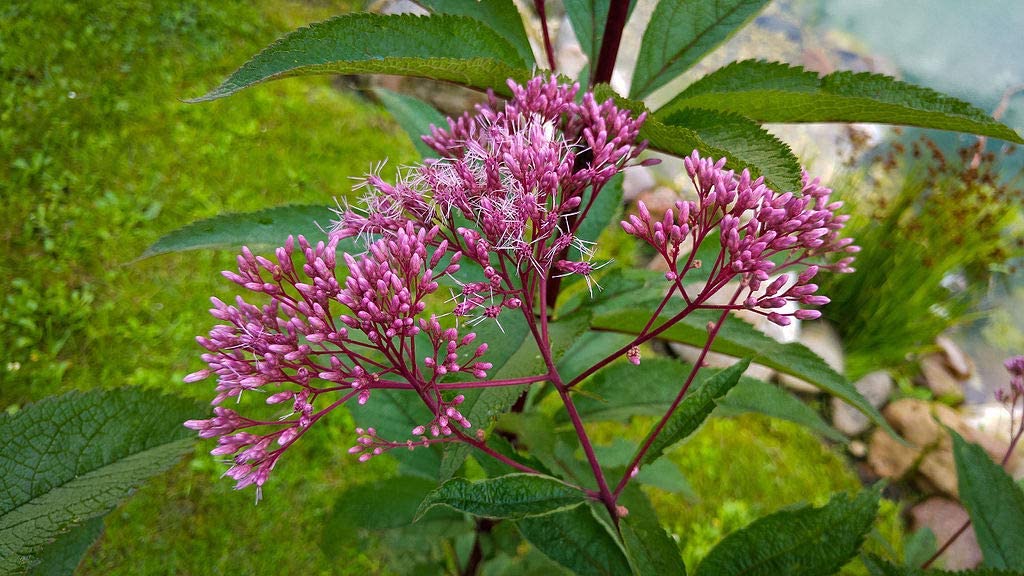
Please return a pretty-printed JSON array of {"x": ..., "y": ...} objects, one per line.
[{"x": 99, "y": 157}]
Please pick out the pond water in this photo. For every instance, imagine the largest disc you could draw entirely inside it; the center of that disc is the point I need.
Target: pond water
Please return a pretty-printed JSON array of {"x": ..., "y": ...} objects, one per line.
[{"x": 971, "y": 50}]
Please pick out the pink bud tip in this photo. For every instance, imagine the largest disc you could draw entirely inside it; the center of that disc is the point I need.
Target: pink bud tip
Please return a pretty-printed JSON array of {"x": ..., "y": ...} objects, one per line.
[{"x": 196, "y": 376}]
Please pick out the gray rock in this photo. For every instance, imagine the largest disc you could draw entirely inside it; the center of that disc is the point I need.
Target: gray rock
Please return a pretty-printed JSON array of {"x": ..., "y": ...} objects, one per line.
[
  {"x": 940, "y": 379},
  {"x": 930, "y": 453},
  {"x": 877, "y": 388},
  {"x": 638, "y": 180},
  {"x": 568, "y": 53},
  {"x": 956, "y": 359}
]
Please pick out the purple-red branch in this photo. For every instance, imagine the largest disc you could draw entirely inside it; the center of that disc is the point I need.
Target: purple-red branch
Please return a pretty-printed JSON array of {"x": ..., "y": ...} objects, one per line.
[
  {"x": 541, "y": 13},
  {"x": 675, "y": 403},
  {"x": 617, "y": 12}
]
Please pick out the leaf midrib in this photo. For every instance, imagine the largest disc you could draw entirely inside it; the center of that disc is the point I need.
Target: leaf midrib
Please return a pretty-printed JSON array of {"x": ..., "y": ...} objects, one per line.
[
  {"x": 805, "y": 537},
  {"x": 679, "y": 54},
  {"x": 130, "y": 466}
]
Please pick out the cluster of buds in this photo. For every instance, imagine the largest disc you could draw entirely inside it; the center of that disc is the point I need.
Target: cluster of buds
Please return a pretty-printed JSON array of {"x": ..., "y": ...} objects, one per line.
[
  {"x": 1015, "y": 389},
  {"x": 506, "y": 195},
  {"x": 520, "y": 172},
  {"x": 762, "y": 233},
  {"x": 320, "y": 342}
]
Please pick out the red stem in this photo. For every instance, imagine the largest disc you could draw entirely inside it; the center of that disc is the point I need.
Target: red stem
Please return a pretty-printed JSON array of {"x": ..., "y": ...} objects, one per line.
[
  {"x": 604, "y": 493},
  {"x": 675, "y": 403},
  {"x": 539, "y": 4},
  {"x": 391, "y": 385},
  {"x": 617, "y": 12}
]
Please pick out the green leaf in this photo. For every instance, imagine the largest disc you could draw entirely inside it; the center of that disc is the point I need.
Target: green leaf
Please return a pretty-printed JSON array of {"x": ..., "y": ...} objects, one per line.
[
  {"x": 494, "y": 467},
  {"x": 270, "y": 227},
  {"x": 501, "y": 16},
  {"x": 752, "y": 395},
  {"x": 649, "y": 549},
  {"x": 483, "y": 405},
  {"x": 995, "y": 504},
  {"x": 414, "y": 116},
  {"x": 797, "y": 541},
  {"x": 919, "y": 547},
  {"x": 73, "y": 457},
  {"x": 510, "y": 351},
  {"x": 650, "y": 389},
  {"x": 682, "y": 32},
  {"x": 879, "y": 567},
  {"x": 379, "y": 505},
  {"x": 442, "y": 47},
  {"x": 623, "y": 390},
  {"x": 65, "y": 554},
  {"x": 589, "y": 349},
  {"x": 512, "y": 496},
  {"x": 386, "y": 508},
  {"x": 740, "y": 141},
  {"x": 588, "y": 19},
  {"x": 763, "y": 155},
  {"x": 394, "y": 413},
  {"x": 776, "y": 92},
  {"x": 576, "y": 539},
  {"x": 663, "y": 474},
  {"x": 697, "y": 405},
  {"x": 607, "y": 208},
  {"x": 739, "y": 339}
]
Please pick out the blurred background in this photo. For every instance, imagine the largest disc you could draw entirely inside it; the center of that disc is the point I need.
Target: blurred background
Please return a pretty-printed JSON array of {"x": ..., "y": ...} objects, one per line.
[{"x": 99, "y": 157}]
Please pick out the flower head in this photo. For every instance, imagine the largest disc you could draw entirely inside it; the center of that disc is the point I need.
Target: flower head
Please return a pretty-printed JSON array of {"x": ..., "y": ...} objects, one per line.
[
  {"x": 505, "y": 196},
  {"x": 762, "y": 234}
]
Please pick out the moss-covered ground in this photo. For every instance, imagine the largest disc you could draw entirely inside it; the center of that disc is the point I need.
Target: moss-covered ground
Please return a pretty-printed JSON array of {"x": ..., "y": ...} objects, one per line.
[{"x": 99, "y": 157}]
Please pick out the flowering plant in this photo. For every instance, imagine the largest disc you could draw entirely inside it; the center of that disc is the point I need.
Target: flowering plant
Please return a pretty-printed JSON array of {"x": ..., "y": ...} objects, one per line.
[{"x": 466, "y": 309}]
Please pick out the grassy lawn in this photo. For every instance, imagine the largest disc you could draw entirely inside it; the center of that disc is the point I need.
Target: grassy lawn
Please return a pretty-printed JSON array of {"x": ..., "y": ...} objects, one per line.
[{"x": 99, "y": 157}]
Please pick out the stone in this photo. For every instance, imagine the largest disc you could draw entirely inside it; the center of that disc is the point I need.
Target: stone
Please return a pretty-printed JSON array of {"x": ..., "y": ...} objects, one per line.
[
  {"x": 824, "y": 341},
  {"x": 930, "y": 453},
  {"x": 848, "y": 419},
  {"x": 956, "y": 359},
  {"x": 638, "y": 180},
  {"x": 658, "y": 200},
  {"x": 939, "y": 378},
  {"x": 876, "y": 388},
  {"x": 858, "y": 449},
  {"x": 716, "y": 360},
  {"x": 568, "y": 53},
  {"x": 991, "y": 425},
  {"x": 944, "y": 517},
  {"x": 402, "y": 7},
  {"x": 888, "y": 458}
]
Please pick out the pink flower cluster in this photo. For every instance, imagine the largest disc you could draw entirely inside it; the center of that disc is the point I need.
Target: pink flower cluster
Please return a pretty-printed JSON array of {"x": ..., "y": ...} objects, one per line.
[
  {"x": 1015, "y": 367},
  {"x": 507, "y": 194},
  {"x": 518, "y": 173},
  {"x": 762, "y": 233},
  {"x": 306, "y": 356}
]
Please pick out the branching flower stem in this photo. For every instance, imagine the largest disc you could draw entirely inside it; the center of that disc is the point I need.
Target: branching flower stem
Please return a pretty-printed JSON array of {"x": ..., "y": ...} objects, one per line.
[
  {"x": 675, "y": 403},
  {"x": 604, "y": 493},
  {"x": 391, "y": 385}
]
